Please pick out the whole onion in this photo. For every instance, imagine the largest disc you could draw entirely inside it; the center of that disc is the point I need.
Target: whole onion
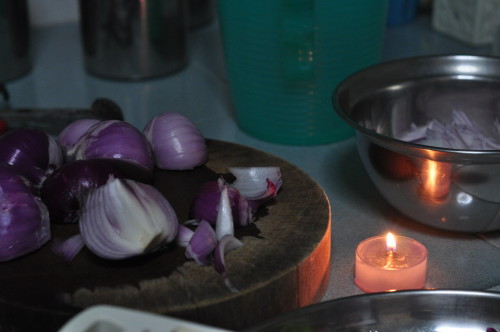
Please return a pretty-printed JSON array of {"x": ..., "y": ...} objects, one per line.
[
  {"x": 64, "y": 190},
  {"x": 113, "y": 139},
  {"x": 24, "y": 219},
  {"x": 176, "y": 141},
  {"x": 33, "y": 152}
]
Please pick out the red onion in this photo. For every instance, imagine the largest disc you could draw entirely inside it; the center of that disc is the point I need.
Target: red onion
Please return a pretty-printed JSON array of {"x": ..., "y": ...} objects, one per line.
[
  {"x": 116, "y": 140},
  {"x": 253, "y": 187},
  {"x": 12, "y": 181},
  {"x": 205, "y": 243},
  {"x": 206, "y": 201},
  {"x": 124, "y": 218},
  {"x": 459, "y": 133},
  {"x": 201, "y": 244},
  {"x": 68, "y": 248},
  {"x": 227, "y": 243},
  {"x": 33, "y": 152},
  {"x": 64, "y": 189},
  {"x": 24, "y": 219},
  {"x": 224, "y": 223},
  {"x": 72, "y": 132},
  {"x": 176, "y": 141},
  {"x": 184, "y": 234}
]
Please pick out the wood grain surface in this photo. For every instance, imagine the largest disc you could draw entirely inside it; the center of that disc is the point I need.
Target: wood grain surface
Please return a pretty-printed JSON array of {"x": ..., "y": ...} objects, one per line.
[{"x": 283, "y": 265}]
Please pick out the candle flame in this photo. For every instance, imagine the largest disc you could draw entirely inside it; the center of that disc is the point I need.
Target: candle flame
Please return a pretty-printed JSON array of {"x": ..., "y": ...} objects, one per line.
[{"x": 390, "y": 242}]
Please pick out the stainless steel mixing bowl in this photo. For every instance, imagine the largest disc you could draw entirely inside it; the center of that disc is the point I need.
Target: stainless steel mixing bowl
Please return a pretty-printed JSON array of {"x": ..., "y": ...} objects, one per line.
[
  {"x": 457, "y": 190},
  {"x": 405, "y": 311}
]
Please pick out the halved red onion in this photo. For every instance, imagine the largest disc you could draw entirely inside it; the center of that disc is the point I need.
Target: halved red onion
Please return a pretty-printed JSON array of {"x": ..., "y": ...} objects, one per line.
[
  {"x": 72, "y": 132},
  {"x": 12, "y": 181},
  {"x": 176, "y": 141},
  {"x": 125, "y": 218},
  {"x": 202, "y": 244},
  {"x": 113, "y": 139},
  {"x": 24, "y": 219},
  {"x": 64, "y": 190},
  {"x": 33, "y": 152}
]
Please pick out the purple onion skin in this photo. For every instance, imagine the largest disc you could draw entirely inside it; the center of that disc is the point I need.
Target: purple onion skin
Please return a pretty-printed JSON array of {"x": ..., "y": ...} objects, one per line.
[
  {"x": 28, "y": 150},
  {"x": 72, "y": 132},
  {"x": 64, "y": 190},
  {"x": 113, "y": 139},
  {"x": 11, "y": 180},
  {"x": 24, "y": 219},
  {"x": 206, "y": 201}
]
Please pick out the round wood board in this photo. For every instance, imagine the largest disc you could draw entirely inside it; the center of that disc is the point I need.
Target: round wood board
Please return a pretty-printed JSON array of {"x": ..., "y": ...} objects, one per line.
[{"x": 283, "y": 265}]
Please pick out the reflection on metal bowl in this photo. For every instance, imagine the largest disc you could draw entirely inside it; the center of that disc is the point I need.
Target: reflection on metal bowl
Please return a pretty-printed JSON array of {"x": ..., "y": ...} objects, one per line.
[
  {"x": 457, "y": 190},
  {"x": 422, "y": 310}
]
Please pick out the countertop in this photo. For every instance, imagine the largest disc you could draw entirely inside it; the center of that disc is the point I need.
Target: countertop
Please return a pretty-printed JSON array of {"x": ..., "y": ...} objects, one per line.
[{"x": 200, "y": 91}]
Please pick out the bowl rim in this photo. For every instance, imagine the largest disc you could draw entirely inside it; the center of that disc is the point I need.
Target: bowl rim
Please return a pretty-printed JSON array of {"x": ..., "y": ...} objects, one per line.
[{"x": 368, "y": 298}]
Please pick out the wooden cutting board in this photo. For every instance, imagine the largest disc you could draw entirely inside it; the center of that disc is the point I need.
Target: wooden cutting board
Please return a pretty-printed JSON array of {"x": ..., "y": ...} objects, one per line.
[{"x": 283, "y": 265}]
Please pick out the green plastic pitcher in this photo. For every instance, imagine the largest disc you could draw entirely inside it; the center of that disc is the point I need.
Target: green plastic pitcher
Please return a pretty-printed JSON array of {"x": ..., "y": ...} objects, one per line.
[{"x": 284, "y": 58}]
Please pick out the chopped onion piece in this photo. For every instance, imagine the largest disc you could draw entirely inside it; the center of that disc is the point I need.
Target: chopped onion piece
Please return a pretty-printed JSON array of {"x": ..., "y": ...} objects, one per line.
[
  {"x": 459, "y": 133},
  {"x": 202, "y": 244},
  {"x": 176, "y": 141},
  {"x": 125, "y": 218},
  {"x": 224, "y": 223},
  {"x": 69, "y": 247},
  {"x": 257, "y": 183},
  {"x": 206, "y": 202},
  {"x": 226, "y": 244},
  {"x": 184, "y": 235}
]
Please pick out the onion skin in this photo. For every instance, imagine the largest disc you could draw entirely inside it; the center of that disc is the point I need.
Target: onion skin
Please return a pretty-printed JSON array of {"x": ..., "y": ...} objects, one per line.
[
  {"x": 72, "y": 132},
  {"x": 65, "y": 188},
  {"x": 176, "y": 141},
  {"x": 33, "y": 152},
  {"x": 124, "y": 218},
  {"x": 113, "y": 139},
  {"x": 11, "y": 181},
  {"x": 24, "y": 219}
]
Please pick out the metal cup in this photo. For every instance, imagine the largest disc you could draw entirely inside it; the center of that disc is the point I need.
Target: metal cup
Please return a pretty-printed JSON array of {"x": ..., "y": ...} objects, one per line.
[
  {"x": 133, "y": 39},
  {"x": 15, "y": 56}
]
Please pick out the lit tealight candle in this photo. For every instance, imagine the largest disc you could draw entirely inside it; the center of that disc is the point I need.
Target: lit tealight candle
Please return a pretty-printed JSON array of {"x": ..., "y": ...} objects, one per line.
[{"x": 389, "y": 263}]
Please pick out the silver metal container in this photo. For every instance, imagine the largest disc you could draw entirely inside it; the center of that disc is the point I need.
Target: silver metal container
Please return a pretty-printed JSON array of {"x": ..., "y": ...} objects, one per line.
[
  {"x": 133, "y": 39},
  {"x": 15, "y": 48},
  {"x": 457, "y": 190},
  {"x": 404, "y": 311},
  {"x": 201, "y": 13}
]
